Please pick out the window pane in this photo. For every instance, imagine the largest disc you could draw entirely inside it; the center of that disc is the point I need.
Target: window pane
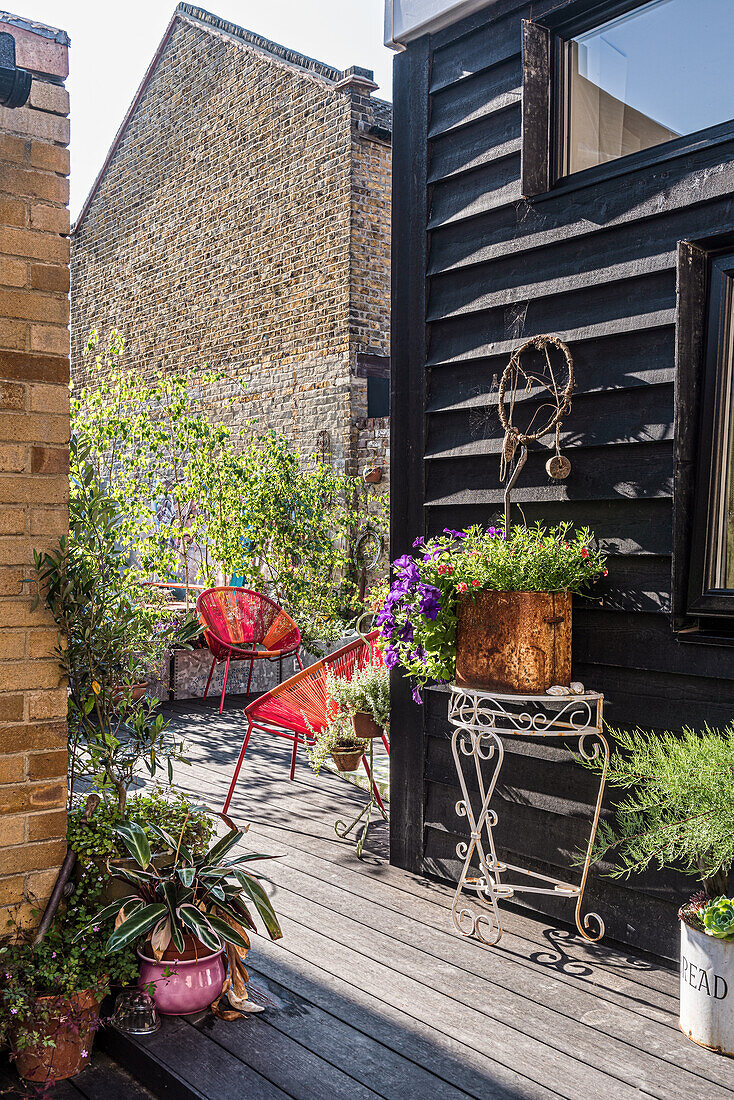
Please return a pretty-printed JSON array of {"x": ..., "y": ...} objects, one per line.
[
  {"x": 660, "y": 71},
  {"x": 723, "y": 571}
]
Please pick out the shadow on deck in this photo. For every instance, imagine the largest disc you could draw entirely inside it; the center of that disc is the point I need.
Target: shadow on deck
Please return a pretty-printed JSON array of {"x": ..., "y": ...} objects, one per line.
[{"x": 371, "y": 993}]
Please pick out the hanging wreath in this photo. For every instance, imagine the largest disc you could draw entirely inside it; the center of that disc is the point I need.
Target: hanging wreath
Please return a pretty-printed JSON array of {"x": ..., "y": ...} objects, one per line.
[{"x": 516, "y": 377}]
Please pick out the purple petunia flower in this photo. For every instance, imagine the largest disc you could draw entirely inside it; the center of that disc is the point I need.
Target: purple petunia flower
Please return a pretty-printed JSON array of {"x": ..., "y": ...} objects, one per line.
[
  {"x": 429, "y": 601},
  {"x": 431, "y": 555},
  {"x": 390, "y": 657},
  {"x": 455, "y": 534},
  {"x": 406, "y": 633},
  {"x": 404, "y": 562},
  {"x": 417, "y": 697},
  {"x": 419, "y": 541}
]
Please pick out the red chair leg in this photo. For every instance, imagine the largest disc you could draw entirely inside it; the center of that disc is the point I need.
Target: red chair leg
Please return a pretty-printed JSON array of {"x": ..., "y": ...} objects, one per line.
[
  {"x": 293, "y": 758},
  {"x": 224, "y": 685},
  {"x": 298, "y": 658},
  {"x": 375, "y": 791},
  {"x": 386, "y": 742},
  {"x": 211, "y": 670},
  {"x": 249, "y": 678},
  {"x": 238, "y": 765}
]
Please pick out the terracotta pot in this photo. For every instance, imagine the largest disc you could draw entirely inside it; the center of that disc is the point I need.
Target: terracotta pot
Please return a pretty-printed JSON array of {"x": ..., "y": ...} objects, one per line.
[
  {"x": 70, "y": 1022},
  {"x": 514, "y": 641},
  {"x": 365, "y": 727},
  {"x": 182, "y": 985},
  {"x": 347, "y": 760},
  {"x": 138, "y": 691}
]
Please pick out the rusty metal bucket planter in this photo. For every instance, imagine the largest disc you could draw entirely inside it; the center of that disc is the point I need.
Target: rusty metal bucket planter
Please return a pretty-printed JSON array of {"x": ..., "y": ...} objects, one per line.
[{"x": 514, "y": 641}]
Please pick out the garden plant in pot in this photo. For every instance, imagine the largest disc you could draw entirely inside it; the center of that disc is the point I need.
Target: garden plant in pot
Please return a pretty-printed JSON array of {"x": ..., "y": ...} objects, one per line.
[
  {"x": 51, "y": 989},
  {"x": 488, "y": 611},
  {"x": 359, "y": 711},
  {"x": 679, "y": 813},
  {"x": 186, "y": 916}
]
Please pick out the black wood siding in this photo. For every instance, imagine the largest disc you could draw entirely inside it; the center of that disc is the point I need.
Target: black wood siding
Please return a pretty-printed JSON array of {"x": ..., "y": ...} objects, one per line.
[{"x": 595, "y": 264}]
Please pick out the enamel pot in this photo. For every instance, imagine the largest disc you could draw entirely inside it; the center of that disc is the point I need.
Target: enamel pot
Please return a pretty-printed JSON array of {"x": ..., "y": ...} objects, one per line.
[
  {"x": 707, "y": 989},
  {"x": 183, "y": 985}
]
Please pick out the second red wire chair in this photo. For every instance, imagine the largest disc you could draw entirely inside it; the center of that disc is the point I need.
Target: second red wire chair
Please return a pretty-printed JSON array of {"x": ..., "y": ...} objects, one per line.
[
  {"x": 299, "y": 708},
  {"x": 242, "y": 625}
]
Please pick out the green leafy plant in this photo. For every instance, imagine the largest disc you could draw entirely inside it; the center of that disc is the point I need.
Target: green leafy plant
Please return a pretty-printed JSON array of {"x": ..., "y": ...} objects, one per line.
[
  {"x": 679, "y": 809},
  {"x": 336, "y": 736},
  {"x": 718, "y": 918},
  {"x": 95, "y": 841},
  {"x": 367, "y": 691},
  {"x": 207, "y": 896},
  {"x": 418, "y": 619},
  {"x": 199, "y": 505},
  {"x": 108, "y": 637}
]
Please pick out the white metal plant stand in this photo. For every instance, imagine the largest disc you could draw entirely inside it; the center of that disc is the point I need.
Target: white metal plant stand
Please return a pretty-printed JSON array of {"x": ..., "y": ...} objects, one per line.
[{"x": 480, "y": 719}]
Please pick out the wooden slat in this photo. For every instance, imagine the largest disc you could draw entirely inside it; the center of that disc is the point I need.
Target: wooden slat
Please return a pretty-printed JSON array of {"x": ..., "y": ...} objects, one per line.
[
  {"x": 477, "y": 97},
  {"x": 489, "y": 138}
]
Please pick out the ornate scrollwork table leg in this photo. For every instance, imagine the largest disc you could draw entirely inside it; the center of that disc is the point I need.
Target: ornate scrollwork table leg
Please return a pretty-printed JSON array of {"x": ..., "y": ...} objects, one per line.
[
  {"x": 591, "y": 746},
  {"x": 486, "y": 926}
]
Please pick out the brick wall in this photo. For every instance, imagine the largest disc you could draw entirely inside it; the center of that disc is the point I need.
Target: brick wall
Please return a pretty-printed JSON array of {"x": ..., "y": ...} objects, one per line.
[
  {"x": 34, "y": 455},
  {"x": 231, "y": 226}
]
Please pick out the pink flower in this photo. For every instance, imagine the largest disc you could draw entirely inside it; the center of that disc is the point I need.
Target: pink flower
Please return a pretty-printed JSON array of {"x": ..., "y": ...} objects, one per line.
[
  {"x": 85, "y": 1054},
  {"x": 462, "y": 587},
  {"x": 442, "y": 569},
  {"x": 584, "y": 552},
  {"x": 475, "y": 583},
  {"x": 606, "y": 572}
]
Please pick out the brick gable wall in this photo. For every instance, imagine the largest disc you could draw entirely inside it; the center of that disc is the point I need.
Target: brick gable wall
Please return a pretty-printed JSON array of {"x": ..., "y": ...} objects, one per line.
[{"x": 222, "y": 232}]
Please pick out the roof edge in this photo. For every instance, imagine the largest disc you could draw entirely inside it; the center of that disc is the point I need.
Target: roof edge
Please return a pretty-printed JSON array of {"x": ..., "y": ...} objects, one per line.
[
  {"x": 284, "y": 53},
  {"x": 31, "y": 25}
]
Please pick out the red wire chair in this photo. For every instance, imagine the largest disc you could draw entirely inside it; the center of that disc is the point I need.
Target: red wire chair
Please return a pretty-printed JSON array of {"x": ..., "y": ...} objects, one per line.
[
  {"x": 241, "y": 625},
  {"x": 288, "y": 709}
]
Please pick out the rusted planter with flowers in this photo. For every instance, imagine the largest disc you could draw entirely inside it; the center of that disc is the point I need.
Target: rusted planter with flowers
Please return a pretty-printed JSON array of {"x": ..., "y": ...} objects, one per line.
[
  {"x": 56, "y": 1043},
  {"x": 514, "y": 641}
]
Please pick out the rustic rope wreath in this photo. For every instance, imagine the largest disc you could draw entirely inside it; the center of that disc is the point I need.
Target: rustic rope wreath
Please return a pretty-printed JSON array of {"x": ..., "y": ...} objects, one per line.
[{"x": 559, "y": 403}]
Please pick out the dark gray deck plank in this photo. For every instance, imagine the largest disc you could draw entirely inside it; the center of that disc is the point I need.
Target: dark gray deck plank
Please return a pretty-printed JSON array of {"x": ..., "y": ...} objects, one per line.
[
  {"x": 301, "y": 1073},
  {"x": 644, "y": 1054},
  {"x": 318, "y": 1017}
]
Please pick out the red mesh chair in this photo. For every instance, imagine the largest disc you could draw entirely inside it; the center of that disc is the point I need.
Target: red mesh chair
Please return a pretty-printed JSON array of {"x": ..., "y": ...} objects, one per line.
[
  {"x": 241, "y": 625},
  {"x": 288, "y": 709}
]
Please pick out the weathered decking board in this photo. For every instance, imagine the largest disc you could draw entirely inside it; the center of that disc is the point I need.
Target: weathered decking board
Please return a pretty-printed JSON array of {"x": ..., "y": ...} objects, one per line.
[{"x": 371, "y": 994}]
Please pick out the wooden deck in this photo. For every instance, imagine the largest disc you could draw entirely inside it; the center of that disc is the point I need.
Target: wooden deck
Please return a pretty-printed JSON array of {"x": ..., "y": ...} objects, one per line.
[{"x": 371, "y": 994}]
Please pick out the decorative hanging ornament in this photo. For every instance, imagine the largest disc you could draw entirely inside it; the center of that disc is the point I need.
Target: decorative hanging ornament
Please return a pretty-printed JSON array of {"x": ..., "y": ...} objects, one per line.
[{"x": 557, "y": 405}]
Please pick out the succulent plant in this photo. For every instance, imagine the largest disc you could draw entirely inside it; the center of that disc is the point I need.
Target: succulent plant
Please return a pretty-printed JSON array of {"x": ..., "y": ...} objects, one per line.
[{"x": 718, "y": 918}]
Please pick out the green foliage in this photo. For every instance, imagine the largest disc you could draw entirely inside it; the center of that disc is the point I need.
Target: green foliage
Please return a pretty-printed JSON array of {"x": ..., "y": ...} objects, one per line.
[
  {"x": 367, "y": 691},
  {"x": 418, "y": 620},
  {"x": 199, "y": 508},
  {"x": 205, "y": 894},
  {"x": 108, "y": 637},
  {"x": 680, "y": 807},
  {"x": 95, "y": 841},
  {"x": 718, "y": 918}
]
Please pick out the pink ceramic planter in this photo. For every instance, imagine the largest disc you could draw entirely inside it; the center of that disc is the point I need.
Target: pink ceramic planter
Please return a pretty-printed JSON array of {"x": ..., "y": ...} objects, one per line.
[{"x": 191, "y": 986}]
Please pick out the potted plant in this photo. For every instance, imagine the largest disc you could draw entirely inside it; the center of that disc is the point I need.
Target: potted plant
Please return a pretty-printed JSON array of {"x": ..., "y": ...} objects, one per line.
[
  {"x": 51, "y": 990},
  {"x": 679, "y": 812},
  {"x": 96, "y": 842},
  {"x": 337, "y": 740},
  {"x": 365, "y": 697},
  {"x": 486, "y": 610},
  {"x": 186, "y": 915}
]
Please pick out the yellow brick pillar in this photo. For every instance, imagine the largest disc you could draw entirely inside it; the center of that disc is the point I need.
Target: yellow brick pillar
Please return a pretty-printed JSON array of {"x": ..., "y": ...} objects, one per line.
[{"x": 34, "y": 459}]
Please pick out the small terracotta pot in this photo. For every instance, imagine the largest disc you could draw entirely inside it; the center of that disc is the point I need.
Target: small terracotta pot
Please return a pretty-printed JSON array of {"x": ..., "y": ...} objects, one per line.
[
  {"x": 70, "y": 1022},
  {"x": 365, "y": 727},
  {"x": 514, "y": 641},
  {"x": 138, "y": 691},
  {"x": 347, "y": 760},
  {"x": 183, "y": 985}
]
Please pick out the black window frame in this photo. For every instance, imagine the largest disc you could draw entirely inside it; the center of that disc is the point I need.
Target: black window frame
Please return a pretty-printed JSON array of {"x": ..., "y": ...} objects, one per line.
[
  {"x": 703, "y": 355},
  {"x": 543, "y": 84}
]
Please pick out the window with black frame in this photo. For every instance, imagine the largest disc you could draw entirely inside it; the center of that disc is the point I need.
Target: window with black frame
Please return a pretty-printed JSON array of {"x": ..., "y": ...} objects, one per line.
[
  {"x": 711, "y": 589},
  {"x": 648, "y": 75},
  {"x": 652, "y": 74}
]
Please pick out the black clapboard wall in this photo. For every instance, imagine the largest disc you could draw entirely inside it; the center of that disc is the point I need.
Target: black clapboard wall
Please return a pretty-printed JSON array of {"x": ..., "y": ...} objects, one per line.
[{"x": 477, "y": 269}]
